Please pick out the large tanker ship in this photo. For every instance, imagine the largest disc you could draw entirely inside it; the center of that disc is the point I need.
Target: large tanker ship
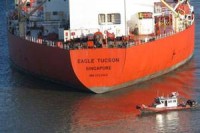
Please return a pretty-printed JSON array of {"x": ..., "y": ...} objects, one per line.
[{"x": 100, "y": 46}]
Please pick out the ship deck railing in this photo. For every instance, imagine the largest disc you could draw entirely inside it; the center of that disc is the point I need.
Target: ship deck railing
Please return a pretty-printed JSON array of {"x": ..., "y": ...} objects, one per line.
[
  {"x": 110, "y": 44},
  {"x": 138, "y": 40}
]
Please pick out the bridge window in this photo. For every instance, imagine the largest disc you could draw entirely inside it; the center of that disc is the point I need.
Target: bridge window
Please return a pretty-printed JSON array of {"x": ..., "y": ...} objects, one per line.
[
  {"x": 111, "y": 18},
  {"x": 170, "y": 101},
  {"x": 114, "y": 18},
  {"x": 102, "y": 19}
]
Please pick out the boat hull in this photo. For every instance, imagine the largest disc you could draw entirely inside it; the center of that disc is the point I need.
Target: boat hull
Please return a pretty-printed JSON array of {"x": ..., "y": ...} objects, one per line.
[
  {"x": 149, "y": 110},
  {"x": 103, "y": 69}
]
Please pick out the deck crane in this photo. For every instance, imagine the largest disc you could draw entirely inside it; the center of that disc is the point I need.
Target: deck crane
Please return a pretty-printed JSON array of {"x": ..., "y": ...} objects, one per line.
[
  {"x": 23, "y": 16},
  {"x": 179, "y": 19}
]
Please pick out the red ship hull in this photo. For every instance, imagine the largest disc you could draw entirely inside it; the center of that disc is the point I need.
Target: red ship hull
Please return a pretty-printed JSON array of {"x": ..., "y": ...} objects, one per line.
[{"x": 103, "y": 69}]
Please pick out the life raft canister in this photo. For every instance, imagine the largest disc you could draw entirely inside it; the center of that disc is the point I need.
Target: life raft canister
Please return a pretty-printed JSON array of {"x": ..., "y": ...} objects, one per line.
[
  {"x": 98, "y": 34},
  {"x": 110, "y": 36}
]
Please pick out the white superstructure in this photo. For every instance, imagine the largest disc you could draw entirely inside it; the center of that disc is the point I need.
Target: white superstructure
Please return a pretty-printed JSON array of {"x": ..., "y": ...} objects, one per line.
[
  {"x": 71, "y": 19},
  {"x": 116, "y": 17},
  {"x": 167, "y": 102}
]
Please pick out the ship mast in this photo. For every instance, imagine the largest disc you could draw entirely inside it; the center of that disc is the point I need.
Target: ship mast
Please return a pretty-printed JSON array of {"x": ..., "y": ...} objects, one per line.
[{"x": 126, "y": 34}]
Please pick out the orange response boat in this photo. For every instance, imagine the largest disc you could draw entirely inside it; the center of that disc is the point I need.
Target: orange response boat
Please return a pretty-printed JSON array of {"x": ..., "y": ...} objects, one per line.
[
  {"x": 170, "y": 103},
  {"x": 116, "y": 46}
]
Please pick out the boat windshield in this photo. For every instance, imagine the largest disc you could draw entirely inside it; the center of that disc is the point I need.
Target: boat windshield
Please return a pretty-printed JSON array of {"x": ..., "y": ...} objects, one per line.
[{"x": 157, "y": 101}]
